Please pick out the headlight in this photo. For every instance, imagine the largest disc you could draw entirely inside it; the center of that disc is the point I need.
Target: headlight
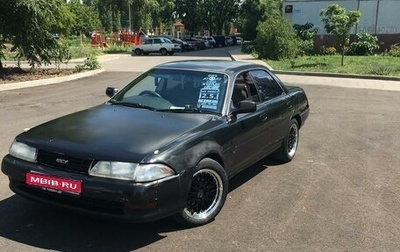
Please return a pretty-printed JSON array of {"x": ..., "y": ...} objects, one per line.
[
  {"x": 23, "y": 151},
  {"x": 130, "y": 171}
]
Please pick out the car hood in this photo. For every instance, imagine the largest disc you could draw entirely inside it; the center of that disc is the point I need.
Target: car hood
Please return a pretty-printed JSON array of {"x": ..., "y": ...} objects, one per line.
[{"x": 109, "y": 132}]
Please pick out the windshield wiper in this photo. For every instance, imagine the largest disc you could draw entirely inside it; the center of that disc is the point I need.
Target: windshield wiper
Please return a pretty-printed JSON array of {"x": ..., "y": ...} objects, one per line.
[
  {"x": 188, "y": 110},
  {"x": 132, "y": 104}
]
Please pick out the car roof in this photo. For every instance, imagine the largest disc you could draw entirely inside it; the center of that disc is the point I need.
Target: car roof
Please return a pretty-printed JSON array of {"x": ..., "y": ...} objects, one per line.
[{"x": 227, "y": 66}]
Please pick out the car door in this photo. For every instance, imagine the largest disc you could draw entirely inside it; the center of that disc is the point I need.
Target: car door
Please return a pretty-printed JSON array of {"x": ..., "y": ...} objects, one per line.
[
  {"x": 247, "y": 130},
  {"x": 148, "y": 45},
  {"x": 247, "y": 145},
  {"x": 275, "y": 107},
  {"x": 156, "y": 44}
]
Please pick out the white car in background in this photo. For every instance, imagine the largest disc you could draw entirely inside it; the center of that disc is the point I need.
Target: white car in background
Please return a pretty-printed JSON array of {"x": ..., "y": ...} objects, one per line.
[{"x": 156, "y": 45}]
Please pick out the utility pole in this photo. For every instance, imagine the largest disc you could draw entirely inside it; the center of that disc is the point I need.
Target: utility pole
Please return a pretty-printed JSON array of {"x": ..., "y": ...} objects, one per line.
[{"x": 129, "y": 13}]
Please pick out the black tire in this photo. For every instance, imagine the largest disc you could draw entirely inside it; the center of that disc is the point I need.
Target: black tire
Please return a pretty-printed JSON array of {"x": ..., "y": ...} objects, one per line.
[
  {"x": 206, "y": 196},
  {"x": 163, "y": 51},
  {"x": 138, "y": 52},
  {"x": 288, "y": 149}
]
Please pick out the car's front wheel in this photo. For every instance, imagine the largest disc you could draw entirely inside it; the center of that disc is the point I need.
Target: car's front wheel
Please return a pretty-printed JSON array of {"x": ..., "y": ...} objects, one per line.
[
  {"x": 206, "y": 196},
  {"x": 290, "y": 143}
]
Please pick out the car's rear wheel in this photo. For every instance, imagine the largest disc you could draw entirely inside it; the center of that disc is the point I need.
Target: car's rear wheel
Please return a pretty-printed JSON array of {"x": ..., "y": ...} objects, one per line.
[
  {"x": 206, "y": 196},
  {"x": 288, "y": 149},
  {"x": 163, "y": 51},
  {"x": 138, "y": 52}
]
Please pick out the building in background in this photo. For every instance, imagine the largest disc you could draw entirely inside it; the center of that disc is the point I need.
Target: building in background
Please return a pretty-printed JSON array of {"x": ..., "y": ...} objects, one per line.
[{"x": 378, "y": 17}]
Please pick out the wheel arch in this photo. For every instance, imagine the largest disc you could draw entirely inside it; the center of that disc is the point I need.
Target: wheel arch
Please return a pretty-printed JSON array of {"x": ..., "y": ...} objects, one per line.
[
  {"x": 298, "y": 119},
  {"x": 216, "y": 157}
]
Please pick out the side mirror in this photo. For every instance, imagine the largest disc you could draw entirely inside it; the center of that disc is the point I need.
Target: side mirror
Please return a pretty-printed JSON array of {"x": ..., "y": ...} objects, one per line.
[
  {"x": 110, "y": 91},
  {"x": 245, "y": 106}
]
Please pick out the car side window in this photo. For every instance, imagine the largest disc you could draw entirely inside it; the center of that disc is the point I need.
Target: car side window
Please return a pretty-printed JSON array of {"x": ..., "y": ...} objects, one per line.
[
  {"x": 157, "y": 41},
  {"x": 148, "y": 41},
  {"x": 244, "y": 89},
  {"x": 268, "y": 88}
]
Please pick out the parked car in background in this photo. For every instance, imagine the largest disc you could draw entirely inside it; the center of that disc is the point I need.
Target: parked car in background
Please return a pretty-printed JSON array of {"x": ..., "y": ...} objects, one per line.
[
  {"x": 220, "y": 41},
  {"x": 206, "y": 43},
  {"x": 239, "y": 40},
  {"x": 229, "y": 41},
  {"x": 211, "y": 41},
  {"x": 165, "y": 145},
  {"x": 156, "y": 45},
  {"x": 183, "y": 44},
  {"x": 195, "y": 43}
]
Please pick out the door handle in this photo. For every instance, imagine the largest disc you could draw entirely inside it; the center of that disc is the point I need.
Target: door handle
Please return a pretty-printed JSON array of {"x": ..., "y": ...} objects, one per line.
[{"x": 263, "y": 116}]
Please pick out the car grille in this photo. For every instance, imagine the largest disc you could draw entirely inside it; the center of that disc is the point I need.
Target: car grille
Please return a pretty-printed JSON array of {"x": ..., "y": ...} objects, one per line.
[{"x": 63, "y": 162}]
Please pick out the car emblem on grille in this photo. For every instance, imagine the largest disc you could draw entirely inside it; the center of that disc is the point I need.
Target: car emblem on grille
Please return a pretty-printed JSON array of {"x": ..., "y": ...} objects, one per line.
[{"x": 61, "y": 161}]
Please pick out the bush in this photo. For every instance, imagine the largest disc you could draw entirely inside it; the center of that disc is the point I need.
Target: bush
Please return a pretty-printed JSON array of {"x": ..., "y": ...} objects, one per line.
[
  {"x": 394, "y": 50},
  {"x": 61, "y": 54},
  {"x": 381, "y": 69},
  {"x": 306, "y": 35},
  {"x": 365, "y": 45},
  {"x": 328, "y": 50},
  {"x": 276, "y": 39},
  {"x": 83, "y": 51},
  {"x": 248, "y": 47},
  {"x": 91, "y": 63},
  {"x": 117, "y": 49}
]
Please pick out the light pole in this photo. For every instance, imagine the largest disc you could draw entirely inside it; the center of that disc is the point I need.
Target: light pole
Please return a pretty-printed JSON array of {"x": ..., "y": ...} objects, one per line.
[{"x": 129, "y": 14}]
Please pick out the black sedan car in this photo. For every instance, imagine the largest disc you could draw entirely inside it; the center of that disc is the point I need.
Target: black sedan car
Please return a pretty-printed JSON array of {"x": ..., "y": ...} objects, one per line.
[{"x": 164, "y": 145}]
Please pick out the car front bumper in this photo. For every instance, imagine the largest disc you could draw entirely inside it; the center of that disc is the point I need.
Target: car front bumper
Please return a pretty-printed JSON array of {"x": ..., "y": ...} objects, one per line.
[{"x": 111, "y": 198}]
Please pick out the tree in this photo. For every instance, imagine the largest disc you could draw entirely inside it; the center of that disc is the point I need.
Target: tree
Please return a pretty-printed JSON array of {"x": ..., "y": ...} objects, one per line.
[
  {"x": 276, "y": 39},
  {"x": 164, "y": 14},
  {"x": 252, "y": 12},
  {"x": 220, "y": 13},
  {"x": 250, "y": 15},
  {"x": 134, "y": 14},
  {"x": 29, "y": 26},
  {"x": 212, "y": 15},
  {"x": 86, "y": 19},
  {"x": 339, "y": 23},
  {"x": 190, "y": 13}
]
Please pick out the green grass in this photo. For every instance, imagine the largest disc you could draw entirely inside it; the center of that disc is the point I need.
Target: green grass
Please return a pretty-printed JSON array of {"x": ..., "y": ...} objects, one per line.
[
  {"x": 365, "y": 65},
  {"x": 77, "y": 52}
]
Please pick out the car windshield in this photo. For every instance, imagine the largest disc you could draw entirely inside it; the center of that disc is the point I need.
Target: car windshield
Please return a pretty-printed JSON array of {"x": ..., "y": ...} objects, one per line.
[{"x": 172, "y": 90}]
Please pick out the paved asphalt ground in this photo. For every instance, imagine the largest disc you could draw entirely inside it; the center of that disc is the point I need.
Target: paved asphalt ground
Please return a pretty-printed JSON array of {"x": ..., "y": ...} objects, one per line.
[{"x": 340, "y": 193}]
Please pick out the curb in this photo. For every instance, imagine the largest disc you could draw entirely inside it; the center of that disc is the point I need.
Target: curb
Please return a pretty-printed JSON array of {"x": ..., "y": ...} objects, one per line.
[
  {"x": 338, "y": 75},
  {"x": 49, "y": 81}
]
